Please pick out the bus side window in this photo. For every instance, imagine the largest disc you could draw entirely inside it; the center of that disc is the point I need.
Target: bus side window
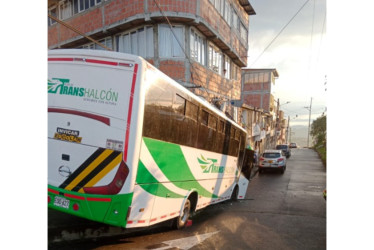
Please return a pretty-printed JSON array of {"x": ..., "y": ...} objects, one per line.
[
  {"x": 242, "y": 141},
  {"x": 179, "y": 105},
  {"x": 157, "y": 111},
  {"x": 178, "y": 122},
  {"x": 220, "y": 136},
  {"x": 221, "y": 126},
  {"x": 226, "y": 140},
  {"x": 204, "y": 116},
  {"x": 212, "y": 131},
  {"x": 232, "y": 141},
  {"x": 203, "y": 129},
  {"x": 192, "y": 111}
]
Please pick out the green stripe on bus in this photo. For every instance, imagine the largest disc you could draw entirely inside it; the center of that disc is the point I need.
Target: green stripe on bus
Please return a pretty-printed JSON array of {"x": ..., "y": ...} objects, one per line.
[
  {"x": 150, "y": 184},
  {"x": 170, "y": 159}
]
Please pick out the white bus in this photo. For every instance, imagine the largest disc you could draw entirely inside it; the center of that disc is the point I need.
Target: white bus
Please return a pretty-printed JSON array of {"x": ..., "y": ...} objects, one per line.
[{"x": 128, "y": 146}]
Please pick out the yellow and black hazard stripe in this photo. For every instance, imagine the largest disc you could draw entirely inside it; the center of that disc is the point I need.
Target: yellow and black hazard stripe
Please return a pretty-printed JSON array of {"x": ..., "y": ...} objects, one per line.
[{"x": 100, "y": 163}]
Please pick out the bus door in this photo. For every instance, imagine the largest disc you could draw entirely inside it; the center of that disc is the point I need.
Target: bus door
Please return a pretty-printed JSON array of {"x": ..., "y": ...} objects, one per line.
[{"x": 245, "y": 175}]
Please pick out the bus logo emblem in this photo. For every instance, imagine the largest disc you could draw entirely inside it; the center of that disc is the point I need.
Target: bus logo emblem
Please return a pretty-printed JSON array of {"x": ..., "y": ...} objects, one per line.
[{"x": 209, "y": 166}]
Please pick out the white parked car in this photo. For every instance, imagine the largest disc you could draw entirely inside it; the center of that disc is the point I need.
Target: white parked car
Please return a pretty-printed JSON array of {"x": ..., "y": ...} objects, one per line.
[{"x": 272, "y": 159}]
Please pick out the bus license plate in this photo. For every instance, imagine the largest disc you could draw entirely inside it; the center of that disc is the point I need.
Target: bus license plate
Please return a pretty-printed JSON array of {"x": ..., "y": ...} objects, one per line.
[{"x": 61, "y": 202}]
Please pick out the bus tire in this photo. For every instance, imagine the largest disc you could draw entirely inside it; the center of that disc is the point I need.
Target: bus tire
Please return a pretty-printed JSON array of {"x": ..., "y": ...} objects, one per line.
[
  {"x": 235, "y": 193},
  {"x": 181, "y": 221}
]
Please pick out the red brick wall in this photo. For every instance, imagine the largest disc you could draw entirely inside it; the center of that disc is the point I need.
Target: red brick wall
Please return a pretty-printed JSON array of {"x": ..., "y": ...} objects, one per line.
[
  {"x": 85, "y": 23},
  {"x": 266, "y": 102},
  {"x": 266, "y": 86},
  {"x": 173, "y": 5},
  {"x": 174, "y": 69},
  {"x": 208, "y": 79},
  {"x": 235, "y": 43},
  {"x": 252, "y": 100},
  {"x": 252, "y": 87},
  {"x": 120, "y": 9},
  {"x": 53, "y": 35}
]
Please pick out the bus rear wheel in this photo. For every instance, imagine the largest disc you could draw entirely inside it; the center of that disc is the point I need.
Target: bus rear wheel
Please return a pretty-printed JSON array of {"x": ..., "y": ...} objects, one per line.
[{"x": 181, "y": 221}]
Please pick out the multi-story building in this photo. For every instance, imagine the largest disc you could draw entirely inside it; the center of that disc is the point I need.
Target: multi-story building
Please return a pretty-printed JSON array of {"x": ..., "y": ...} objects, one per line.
[
  {"x": 256, "y": 88},
  {"x": 282, "y": 128},
  {"x": 202, "y": 44},
  {"x": 257, "y": 97}
]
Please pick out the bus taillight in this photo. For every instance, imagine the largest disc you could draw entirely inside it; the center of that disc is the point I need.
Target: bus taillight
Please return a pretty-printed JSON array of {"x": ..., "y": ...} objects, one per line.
[
  {"x": 76, "y": 207},
  {"x": 115, "y": 186}
]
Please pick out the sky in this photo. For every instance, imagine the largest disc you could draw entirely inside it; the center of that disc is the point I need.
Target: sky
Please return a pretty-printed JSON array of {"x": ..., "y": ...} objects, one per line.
[{"x": 298, "y": 53}]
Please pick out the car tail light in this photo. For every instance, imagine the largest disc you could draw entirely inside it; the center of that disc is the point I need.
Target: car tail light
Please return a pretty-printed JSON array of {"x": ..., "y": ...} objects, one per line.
[
  {"x": 49, "y": 199},
  {"x": 280, "y": 159},
  {"x": 115, "y": 186},
  {"x": 262, "y": 158}
]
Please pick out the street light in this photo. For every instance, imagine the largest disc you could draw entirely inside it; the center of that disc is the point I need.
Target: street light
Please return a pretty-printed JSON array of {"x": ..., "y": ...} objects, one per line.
[{"x": 285, "y": 103}]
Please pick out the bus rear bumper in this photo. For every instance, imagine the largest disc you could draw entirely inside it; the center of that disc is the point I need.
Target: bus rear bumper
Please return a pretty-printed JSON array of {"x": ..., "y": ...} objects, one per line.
[{"x": 109, "y": 209}]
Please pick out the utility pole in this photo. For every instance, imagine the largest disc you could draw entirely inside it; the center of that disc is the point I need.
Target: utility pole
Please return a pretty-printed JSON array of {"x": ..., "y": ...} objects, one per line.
[
  {"x": 288, "y": 127},
  {"x": 310, "y": 112},
  {"x": 277, "y": 122}
]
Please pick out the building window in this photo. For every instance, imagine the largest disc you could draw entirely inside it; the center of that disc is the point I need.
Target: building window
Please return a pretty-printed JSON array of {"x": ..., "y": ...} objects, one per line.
[
  {"x": 235, "y": 116},
  {"x": 197, "y": 47},
  {"x": 235, "y": 21},
  {"x": 53, "y": 12},
  {"x": 65, "y": 10},
  {"x": 227, "y": 69},
  {"x": 223, "y": 7},
  {"x": 169, "y": 46},
  {"x": 227, "y": 13},
  {"x": 214, "y": 59},
  {"x": 82, "y": 5},
  {"x": 219, "y": 6},
  {"x": 243, "y": 33},
  {"x": 106, "y": 41},
  {"x": 137, "y": 42}
]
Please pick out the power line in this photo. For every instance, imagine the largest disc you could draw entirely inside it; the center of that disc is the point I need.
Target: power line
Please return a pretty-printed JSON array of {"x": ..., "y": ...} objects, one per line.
[
  {"x": 279, "y": 32},
  {"x": 183, "y": 49},
  {"x": 311, "y": 37},
  {"x": 79, "y": 32},
  {"x": 320, "y": 43}
]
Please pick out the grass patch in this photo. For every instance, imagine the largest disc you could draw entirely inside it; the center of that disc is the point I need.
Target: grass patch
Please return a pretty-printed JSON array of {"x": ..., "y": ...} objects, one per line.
[{"x": 321, "y": 150}]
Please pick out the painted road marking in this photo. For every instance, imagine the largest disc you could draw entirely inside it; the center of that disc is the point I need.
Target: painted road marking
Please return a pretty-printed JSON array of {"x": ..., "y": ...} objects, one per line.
[{"x": 186, "y": 243}]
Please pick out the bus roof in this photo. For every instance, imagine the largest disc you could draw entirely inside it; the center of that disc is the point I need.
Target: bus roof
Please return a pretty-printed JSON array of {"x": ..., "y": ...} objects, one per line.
[{"x": 137, "y": 59}]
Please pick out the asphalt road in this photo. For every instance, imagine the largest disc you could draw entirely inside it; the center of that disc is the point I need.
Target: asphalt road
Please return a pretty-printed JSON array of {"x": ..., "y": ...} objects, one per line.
[{"x": 280, "y": 211}]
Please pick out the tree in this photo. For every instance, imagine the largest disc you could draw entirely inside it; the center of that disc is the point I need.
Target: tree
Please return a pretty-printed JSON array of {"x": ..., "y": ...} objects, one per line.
[{"x": 318, "y": 131}]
